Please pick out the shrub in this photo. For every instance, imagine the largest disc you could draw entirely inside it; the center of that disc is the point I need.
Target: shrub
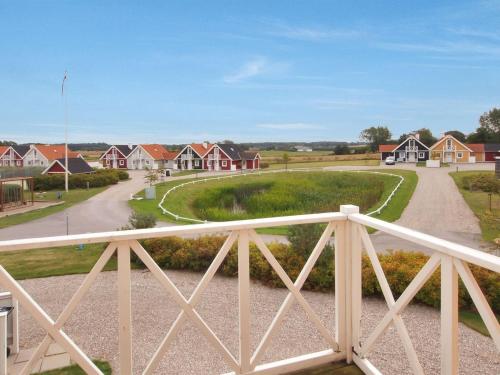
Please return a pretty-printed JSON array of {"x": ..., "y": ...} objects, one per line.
[
  {"x": 263, "y": 165},
  {"x": 399, "y": 267},
  {"x": 99, "y": 178},
  {"x": 142, "y": 221},
  {"x": 482, "y": 182}
]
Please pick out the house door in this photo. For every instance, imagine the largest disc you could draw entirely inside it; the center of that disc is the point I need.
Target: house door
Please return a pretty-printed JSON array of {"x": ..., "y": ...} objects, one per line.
[
  {"x": 115, "y": 164},
  {"x": 411, "y": 157},
  {"x": 448, "y": 157}
]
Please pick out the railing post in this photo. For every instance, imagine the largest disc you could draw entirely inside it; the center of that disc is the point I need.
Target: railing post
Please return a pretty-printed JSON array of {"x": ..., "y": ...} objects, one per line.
[
  {"x": 352, "y": 280},
  {"x": 124, "y": 309},
  {"x": 244, "y": 300},
  {"x": 449, "y": 316}
]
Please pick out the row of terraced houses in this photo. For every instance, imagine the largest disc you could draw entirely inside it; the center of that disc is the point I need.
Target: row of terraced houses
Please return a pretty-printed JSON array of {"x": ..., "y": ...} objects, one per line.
[
  {"x": 448, "y": 150},
  {"x": 202, "y": 156}
]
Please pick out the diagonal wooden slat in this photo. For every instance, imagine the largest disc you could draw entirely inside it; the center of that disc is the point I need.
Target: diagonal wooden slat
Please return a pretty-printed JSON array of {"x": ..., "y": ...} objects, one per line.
[
  {"x": 389, "y": 298},
  {"x": 47, "y": 323},
  {"x": 184, "y": 304},
  {"x": 71, "y": 306},
  {"x": 293, "y": 290},
  {"x": 480, "y": 301},
  {"x": 403, "y": 300},
  {"x": 287, "y": 304}
]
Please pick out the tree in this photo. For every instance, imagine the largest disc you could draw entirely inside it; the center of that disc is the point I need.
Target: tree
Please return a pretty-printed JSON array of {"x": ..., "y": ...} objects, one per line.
[
  {"x": 458, "y": 135},
  {"x": 286, "y": 159},
  {"x": 375, "y": 136},
  {"x": 342, "y": 149},
  {"x": 489, "y": 128},
  {"x": 151, "y": 177}
]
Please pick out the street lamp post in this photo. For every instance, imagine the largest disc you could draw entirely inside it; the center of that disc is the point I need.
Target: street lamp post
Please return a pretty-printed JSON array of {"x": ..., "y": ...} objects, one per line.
[{"x": 66, "y": 184}]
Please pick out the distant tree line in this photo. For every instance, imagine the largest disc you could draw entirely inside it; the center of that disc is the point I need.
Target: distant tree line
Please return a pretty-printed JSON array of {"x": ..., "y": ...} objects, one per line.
[{"x": 488, "y": 131}]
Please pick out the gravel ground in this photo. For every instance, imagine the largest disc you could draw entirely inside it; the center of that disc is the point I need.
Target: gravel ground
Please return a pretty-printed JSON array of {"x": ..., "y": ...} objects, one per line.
[{"x": 94, "y": 325}]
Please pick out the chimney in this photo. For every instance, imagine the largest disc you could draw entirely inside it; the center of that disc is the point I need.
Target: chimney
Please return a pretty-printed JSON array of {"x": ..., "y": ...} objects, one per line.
[
  {"x": 417, "y": 135},
  {"x": 130, "y": 146},
  {"x": 205, "y": 144}
]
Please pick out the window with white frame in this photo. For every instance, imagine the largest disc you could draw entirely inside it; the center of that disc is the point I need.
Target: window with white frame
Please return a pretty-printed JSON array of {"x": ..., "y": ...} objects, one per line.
[
  {"x": 460, "y": 155},
  {"x": 122, "y": 162},
  {"x": 196, "y": 163},
  {"x": 224, "y": 163},
  {"x": 421, "y": 155}
]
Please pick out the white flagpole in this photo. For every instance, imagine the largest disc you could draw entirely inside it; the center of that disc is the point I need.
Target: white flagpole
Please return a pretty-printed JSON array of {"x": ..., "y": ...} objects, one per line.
[{"x": 66, "y": 187}]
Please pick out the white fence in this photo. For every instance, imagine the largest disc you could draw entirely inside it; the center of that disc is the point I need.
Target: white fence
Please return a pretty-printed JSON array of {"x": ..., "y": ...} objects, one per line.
[
  {"x": 351, "y": 238},
  {"x": 233, "y": 175}
]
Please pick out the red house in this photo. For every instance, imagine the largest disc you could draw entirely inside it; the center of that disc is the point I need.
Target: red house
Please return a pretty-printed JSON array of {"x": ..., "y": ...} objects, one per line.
[
  {"x": 12, "y": 156},
  {"x": 230, "y": 157},
  {"x": 75, "y": 166},
  {"x": 116, "y": 156}
]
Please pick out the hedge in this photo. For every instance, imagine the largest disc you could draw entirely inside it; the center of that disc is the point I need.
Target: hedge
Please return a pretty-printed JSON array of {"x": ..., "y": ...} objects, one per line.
[
  {"x": 99, "y": 178},
  {"x": 400, "y": 268}
]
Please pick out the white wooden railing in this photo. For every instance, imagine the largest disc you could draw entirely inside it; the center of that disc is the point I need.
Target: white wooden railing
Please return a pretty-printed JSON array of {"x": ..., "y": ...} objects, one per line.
[{"x": 351, "y": 237}]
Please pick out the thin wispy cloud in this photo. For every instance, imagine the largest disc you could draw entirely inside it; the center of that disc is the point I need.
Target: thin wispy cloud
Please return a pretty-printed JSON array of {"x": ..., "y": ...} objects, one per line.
[
  {"x": 446, "y": 48},
  {"x": 291, "y": 126},
  {"x": 309, "y": 33},
  {"x": 250, "y": 69},
  {"x": 473, "y": 33},
  {"x": 338, "y": 104}
]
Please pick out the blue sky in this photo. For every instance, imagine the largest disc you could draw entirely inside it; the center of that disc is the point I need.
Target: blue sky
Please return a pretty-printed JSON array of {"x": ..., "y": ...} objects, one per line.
[{"x": 182, "y": 71}]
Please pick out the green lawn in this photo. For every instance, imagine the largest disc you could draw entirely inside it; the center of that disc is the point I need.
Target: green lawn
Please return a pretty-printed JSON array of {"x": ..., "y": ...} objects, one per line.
[
  {"x": 333, "y": 163},
  {"x": 478, "y": 201},
  {"x": 76, "y": 370},
  {"x": 187, "y": 172},
  {"x": 68, "y": 260},
  {"x": 181, "y": 201},
  {"x": 72, "y": 197}
]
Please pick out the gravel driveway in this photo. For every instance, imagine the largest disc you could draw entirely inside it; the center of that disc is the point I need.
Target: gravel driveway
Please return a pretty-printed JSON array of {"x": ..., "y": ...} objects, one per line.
[
  {"x": 105, "y": 211},
  {"x": 94, "y": 325}
]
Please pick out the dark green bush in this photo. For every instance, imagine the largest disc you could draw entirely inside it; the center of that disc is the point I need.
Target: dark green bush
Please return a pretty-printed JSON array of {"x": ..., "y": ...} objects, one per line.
[
  {"x": 400, "y": 268},
  {"x": 482, "y": 182},
  {"x": 76, "y": 181}
]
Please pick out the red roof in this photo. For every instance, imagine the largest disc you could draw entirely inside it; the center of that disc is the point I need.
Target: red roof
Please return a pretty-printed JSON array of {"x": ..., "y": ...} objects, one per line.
[
  {"x": 200, "y": 148},
  {"x": 476, "y": 147},
  {"x": 3, "y": 149},
  {"x": 157, "y": 152},
  {"x": 386, "y": 148},
  {"x": 53, "y": 152}
]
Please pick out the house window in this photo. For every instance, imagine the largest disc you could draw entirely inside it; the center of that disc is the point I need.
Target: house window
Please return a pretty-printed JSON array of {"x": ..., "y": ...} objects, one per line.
[
  {"x": 224, "y": 163},
  {"x": 196, "y": 163},
  {"x": 421, "y": 155},
  {"x": 401, "y": 154},
  {"x": 19, "y": 162},
  {"x": 121, "y": 162},
  {"x": 147, "y": 162},
  {"x": 209, "y": 163},
  {"x": 460, "y": 155}
]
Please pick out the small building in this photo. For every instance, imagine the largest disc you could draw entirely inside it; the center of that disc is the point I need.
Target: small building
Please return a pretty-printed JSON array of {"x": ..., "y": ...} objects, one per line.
[
  {"x": 12, "y": 156},
  {"x": 230, "y": 157},
  {"x": 3, "y": 160},
  {"x": 303, "y": 149},
  {"x": 450, "y": 150},
  {"x": 491, "y": 151},
  {"x": 116, "y": 156},
  {"x": 411, "y": 150},
  {"x": 150, "y": 156},
  {"x": 44, "y": 155},
  {"x": 191, "y": 156},
  {"x": 75, "y": 166}
]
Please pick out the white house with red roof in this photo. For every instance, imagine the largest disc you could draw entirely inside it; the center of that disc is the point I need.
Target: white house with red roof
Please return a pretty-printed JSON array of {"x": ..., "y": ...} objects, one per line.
[
  {"x": 43, "y": 155},
  {"x": 150, "y": 156}
]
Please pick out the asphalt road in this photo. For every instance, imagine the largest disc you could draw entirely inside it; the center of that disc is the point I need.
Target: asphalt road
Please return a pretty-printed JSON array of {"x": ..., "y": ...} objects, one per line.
[{"x": 105, "y": 211}]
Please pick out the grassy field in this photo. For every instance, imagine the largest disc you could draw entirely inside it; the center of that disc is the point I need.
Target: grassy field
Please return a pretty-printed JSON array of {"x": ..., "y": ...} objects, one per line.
[
  {"x": 478, "y": 201},
  {"x": 76, "y": 370},
  {"x": 332, "y": 163},
  {"x": 181, "y": 201},
  {"x": 72, "y": 197},
  {"x": 68, "y": 260}
]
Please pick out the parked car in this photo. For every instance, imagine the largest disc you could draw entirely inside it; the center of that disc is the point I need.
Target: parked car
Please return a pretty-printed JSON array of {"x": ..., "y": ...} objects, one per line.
[{"x": 390, "y": 160}]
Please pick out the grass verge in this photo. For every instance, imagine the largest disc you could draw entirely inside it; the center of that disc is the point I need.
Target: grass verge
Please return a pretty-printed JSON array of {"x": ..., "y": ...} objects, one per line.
[
  {"x": 68, "y": 260},
  {"x": 479, "y": 202},
  {"x": 333, "y": 163},
  {"x": 76, "y": 370},
  {"x": 70, "y": 198}
]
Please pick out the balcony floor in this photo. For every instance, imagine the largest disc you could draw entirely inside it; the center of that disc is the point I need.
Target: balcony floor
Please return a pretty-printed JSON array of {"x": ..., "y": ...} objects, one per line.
[{"x": 337, "y": 368}]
